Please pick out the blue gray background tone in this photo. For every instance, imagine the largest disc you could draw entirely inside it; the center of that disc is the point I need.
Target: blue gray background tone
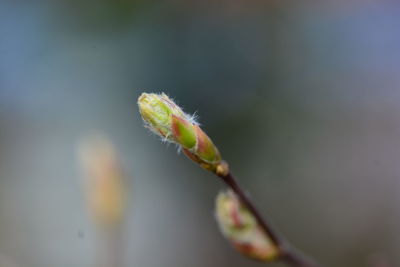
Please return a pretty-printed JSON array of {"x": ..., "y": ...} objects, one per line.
[{"x": 301, "y": 97}]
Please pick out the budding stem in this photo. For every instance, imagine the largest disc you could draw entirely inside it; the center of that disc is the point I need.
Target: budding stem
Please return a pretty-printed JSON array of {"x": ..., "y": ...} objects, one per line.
[
  {"x": 168, "y": 120},
  {"x": 287, "y": 252}
]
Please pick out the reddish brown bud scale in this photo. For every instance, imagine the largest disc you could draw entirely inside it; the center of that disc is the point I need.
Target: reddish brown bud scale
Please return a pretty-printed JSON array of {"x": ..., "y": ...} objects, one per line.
[
  {"x": 236, "y": 218},
  {"x": 196, "y": 159},
  {"x": 205, "y": 147},
  {"x": 245, "y": 249},
  {"x": 252, "y": 252}
]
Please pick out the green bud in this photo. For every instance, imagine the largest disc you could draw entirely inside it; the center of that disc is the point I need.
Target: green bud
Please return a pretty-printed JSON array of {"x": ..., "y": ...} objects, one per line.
[
  {"x": 183, "y": 132},
  {"x": 240, "y": 227},
  {"x": 157, "y": 111},
  {"x": 167, "y": 119}
]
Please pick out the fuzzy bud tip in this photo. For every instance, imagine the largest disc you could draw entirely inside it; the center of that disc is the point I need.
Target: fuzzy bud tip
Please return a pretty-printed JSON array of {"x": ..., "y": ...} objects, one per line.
[{"x": 163, "y": 117}]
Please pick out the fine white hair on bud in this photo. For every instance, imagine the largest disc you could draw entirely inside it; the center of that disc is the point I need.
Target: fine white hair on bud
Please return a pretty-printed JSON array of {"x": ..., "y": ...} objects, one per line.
[
  {"x": 165, "y": 118},
  {"x": 194, "y": 118}
]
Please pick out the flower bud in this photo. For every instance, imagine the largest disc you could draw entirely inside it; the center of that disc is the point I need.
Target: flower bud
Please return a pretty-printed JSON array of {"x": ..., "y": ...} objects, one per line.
[
  {"x": 240, "y": 227},
  {"x": 165, "y": 118}
]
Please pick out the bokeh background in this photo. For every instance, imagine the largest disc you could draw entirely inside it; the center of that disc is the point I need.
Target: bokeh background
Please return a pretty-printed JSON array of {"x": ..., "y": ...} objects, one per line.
[{"x": 301, "y": 97}]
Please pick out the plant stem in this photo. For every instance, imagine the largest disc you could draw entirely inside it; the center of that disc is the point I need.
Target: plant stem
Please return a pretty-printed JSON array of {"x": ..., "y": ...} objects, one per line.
[{"x": 288, "y": 253}]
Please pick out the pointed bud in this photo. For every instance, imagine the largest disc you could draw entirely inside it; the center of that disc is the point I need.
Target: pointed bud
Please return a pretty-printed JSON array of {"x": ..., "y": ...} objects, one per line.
[
  {"x": 157, "y": 111},
  {"x": 240, "y": 227},
  {"x": 167, "y": 119}
]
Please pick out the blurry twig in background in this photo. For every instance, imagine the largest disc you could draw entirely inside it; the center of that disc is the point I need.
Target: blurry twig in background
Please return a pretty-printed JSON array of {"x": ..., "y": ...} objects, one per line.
[
  {"x": 105, "y": 192},
  {"x": 261, "y": 241}
]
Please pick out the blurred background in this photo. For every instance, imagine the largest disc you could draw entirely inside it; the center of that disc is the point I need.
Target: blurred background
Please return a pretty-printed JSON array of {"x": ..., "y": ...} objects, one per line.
[{"x": 301, "y": 97}]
